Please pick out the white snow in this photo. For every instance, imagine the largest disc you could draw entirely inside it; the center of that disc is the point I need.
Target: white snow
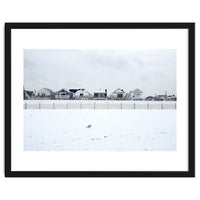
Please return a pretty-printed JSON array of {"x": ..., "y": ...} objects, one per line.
[{"x": 111, "y": 130}]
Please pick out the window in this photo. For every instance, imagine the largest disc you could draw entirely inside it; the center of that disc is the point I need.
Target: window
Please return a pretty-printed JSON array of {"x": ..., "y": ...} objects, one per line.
[{"x": 119, "y": 95}]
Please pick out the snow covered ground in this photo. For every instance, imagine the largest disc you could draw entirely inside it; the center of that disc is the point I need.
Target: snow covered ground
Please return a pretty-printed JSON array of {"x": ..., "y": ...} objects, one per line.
[{"x": 111, "y": 130}]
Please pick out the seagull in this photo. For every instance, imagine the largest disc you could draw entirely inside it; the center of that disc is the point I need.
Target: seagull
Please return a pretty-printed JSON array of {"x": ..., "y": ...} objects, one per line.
[{"x": 89, "y": 126}]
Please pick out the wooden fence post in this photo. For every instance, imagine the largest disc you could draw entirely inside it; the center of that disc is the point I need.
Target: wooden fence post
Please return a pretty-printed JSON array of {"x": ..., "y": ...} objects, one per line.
[
  {"x": 25, "y": 105},
  {"x": 39, "y": 105},
  {"x": 161, "y": 106},
  {"x": 147, "y": 105},
  {"x": 53, "y": 105},
  {"x": 134, "y": 106}
]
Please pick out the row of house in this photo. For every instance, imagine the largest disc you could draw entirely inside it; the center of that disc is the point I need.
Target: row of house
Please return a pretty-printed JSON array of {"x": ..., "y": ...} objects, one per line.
[
  {"x": 164, "y": 97},
  {"x": 161, "y": 98},
  {"x": 118, "y": 94}
]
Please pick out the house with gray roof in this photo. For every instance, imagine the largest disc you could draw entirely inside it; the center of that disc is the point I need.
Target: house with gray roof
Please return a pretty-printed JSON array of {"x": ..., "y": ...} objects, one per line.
[
  {"x": 63, "y": 94},
  {"x": 100, "y": 94},
  {"x": 83, "y": 94},
  {"x": 118, "y": 94},
  {"x": 134, "y": 95},
  {"x": 45, "y": 93},
  {"x": 28, "y": 95}
]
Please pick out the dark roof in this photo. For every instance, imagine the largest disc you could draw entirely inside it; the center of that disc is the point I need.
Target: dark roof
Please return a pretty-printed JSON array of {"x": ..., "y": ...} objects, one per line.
[
  {"x": 162, "y": 95},
  {"x": 150, "y": 97},
  {"x": 30, "y": 93},
  {"x": 74, "y": 90},
  {"x": 120, "y": 90},
  {"x": 63, "y": 90},
  {"x": 172, "y": 95}
]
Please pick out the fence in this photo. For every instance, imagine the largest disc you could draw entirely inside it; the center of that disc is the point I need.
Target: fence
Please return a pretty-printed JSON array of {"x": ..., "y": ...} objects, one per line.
[{"x": 99, "y": 105}]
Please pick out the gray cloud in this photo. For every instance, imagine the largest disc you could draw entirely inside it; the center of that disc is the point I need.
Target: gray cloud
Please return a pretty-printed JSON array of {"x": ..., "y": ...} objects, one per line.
[{"x": 152, "y": 71}]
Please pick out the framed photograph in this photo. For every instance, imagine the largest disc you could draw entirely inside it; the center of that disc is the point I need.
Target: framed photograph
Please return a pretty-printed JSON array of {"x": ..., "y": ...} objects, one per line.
[{"x": 99, "y": 100}]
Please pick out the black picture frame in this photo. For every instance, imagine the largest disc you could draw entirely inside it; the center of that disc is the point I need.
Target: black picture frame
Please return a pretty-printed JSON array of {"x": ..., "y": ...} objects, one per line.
[{"x": 191, "y": 100}]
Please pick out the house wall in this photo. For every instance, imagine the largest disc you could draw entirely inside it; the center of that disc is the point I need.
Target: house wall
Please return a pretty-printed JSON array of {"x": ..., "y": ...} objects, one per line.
[
  {"x": 82, "y": 94},
  {"x": 137, "y": 96},
  {"x": 100, "y": 95},
  {"x": 62, "y": 95},
  {"x": 115, "y": 95},
  {"x": 130, "y": 96},
  {"x": 43, "y": 91},
  {"x": 134, "y": 95}
]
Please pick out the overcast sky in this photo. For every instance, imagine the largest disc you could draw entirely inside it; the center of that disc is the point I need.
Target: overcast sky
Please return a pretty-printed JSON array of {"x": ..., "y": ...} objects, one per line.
[{"x": 152, "y": 71}]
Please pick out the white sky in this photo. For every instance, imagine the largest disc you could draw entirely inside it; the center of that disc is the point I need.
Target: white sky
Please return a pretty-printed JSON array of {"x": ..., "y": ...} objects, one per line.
[{"x": 152, "y": 71}]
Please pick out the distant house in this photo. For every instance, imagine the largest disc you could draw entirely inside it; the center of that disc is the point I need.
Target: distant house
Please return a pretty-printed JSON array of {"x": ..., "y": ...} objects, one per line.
[
  {"x": 161, "y": 97},
  {"x": 29, "y": 94},
  {"x": 118, "y": 94},
  {"x": 137, "y": 94},
  {"x": 100, "y": 94},
  {"x": 63, "y": 94},
  {"x": 82, "y": 94},
  {"x": 171, "y": 98},
  {"x": 134, "y": 95},
  {"x": 150, "y": 98},
  {"x": 45, "y": 93}
]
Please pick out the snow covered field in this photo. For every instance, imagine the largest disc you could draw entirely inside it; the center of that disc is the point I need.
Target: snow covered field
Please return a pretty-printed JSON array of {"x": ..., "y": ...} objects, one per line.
[{"x": 111, "y": 130}]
